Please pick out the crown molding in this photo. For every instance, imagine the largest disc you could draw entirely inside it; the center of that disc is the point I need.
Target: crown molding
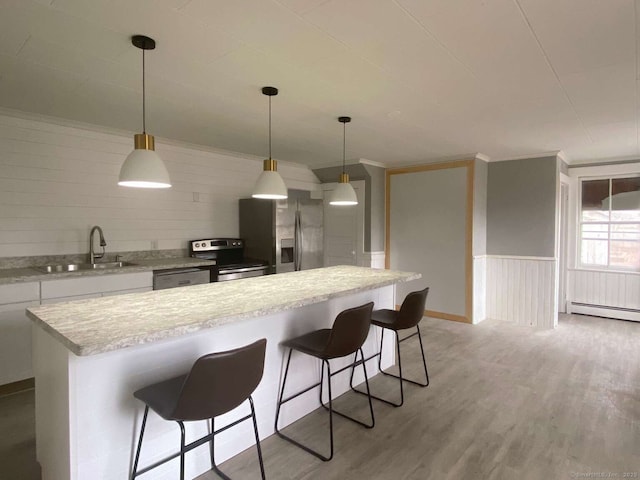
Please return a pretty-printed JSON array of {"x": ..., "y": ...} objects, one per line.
[
  {"x": 553, "y": 153},
  {"x": 372, "y": 163},
  {"x": 563, "y": 156}
]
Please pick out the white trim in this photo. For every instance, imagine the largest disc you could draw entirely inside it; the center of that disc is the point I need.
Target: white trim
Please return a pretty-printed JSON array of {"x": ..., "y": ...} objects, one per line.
[
  {"x": 518, "y": 257},
  {"x": 604, "y": 161},
  {"x": 604, "y": 270},
  {"x": 563, "y": 156},
  {"x": 372, "y": 162},
  {"x": 553, "y": 153},
  {"x": 483, "y": 157},
  {"x": 632, "y": 168},
  {"x": 452, "y": 158},
  {"x": 602, "y": 311}
]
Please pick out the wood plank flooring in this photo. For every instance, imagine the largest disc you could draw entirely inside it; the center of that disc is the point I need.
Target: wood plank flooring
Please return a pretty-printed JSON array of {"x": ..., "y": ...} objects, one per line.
[{"x": 505, "y": 402}]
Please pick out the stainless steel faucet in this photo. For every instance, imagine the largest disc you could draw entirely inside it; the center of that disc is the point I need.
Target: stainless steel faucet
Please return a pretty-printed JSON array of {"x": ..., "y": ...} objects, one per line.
[{"x": 93, "y": 256}]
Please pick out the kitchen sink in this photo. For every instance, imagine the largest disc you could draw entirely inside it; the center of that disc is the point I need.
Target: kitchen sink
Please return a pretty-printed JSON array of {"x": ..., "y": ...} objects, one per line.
[{"x": 74, "y": 267}]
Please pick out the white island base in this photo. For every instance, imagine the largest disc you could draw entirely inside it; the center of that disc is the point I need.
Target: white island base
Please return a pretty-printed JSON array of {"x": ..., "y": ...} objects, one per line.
[{"x": 87, "y": 421}]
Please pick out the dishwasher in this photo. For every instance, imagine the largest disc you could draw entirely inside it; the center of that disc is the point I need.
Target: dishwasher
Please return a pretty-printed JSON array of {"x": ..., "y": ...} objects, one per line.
[{"x": 181, "y": 277}]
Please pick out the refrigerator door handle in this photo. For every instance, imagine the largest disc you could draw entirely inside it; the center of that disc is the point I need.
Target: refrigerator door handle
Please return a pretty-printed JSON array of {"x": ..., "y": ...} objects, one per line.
[{"x": 297, "y": 256}]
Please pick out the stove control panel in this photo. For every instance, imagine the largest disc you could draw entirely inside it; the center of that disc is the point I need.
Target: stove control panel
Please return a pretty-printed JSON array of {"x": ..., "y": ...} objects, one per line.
[{"x": 212, "y": 244}]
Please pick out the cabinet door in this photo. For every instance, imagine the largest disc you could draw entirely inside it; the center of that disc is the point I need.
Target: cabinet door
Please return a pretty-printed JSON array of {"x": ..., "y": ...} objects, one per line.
[{"x": 15, "y": 330}]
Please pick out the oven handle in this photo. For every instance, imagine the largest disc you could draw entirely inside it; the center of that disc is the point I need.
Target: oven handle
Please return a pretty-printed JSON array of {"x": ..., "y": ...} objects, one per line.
[{"x": 241, "y": 270}]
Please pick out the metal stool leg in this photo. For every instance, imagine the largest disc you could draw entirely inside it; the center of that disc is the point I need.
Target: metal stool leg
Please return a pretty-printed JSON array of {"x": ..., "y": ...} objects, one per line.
[
  {"x": 282, "y": 400},
  {"x": 255, "y": 430},
  {"x": 399, "y": 377},
  {"x": 424, "y": 362},
  {"x": 214, "y": 467},
  {"x": 284, "y": 382},
  {"x": 352, "y": 366},
  {"x": 135, "y": 462},
  {"x": 182, "y": 441}
]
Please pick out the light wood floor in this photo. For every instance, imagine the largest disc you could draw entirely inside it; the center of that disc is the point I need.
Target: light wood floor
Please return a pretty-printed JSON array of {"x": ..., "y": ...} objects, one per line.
[{"x": 505, "y": 402}]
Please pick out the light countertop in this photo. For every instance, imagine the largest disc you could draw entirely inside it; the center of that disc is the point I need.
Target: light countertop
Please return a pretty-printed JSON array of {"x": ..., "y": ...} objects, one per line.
[
  {"x": 32, "y": 274},
  {"x": 89, "y": 327}
]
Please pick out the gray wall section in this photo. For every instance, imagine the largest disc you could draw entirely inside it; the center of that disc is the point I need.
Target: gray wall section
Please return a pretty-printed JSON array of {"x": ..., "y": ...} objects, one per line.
[
  {"x": 428, "y": 223},
  {"x": 481, "y": 172},
  {"x": 521, "y": 207},
  {"x": 374, "y": 199}
]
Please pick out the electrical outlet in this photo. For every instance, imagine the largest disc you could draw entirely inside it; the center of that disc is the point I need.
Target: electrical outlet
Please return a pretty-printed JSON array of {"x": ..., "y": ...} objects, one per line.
[
  {"x": 154, "y": 244},
  {"x": 196, "y": 196}
]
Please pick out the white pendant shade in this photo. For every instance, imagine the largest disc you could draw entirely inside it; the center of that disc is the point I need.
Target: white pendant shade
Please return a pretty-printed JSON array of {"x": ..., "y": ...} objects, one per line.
[
  {"x": 623, "y": 201},
  {"x": 344, "y": 194},
  {"x": 270, "y": 186},
  {"x": 144, "y": 169}
]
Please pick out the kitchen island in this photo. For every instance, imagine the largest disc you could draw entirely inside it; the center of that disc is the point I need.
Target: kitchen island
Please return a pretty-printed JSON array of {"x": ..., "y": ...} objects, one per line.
[{"x": 91, "y": 355}]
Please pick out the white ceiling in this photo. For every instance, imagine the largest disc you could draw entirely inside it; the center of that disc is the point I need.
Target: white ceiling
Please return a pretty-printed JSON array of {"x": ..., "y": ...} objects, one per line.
[{"x": 422, "y": 79}]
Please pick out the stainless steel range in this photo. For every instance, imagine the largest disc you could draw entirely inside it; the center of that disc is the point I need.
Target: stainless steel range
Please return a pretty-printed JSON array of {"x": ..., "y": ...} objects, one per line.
[{"x": 229, "y": 256}]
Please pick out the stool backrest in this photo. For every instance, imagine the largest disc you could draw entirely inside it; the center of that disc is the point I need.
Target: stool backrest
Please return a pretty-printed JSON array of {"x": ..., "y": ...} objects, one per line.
[
  {"x": 349, "y": 331},
  {"x": 219, "y": 382},
  {"x": 412, "y": 309}
]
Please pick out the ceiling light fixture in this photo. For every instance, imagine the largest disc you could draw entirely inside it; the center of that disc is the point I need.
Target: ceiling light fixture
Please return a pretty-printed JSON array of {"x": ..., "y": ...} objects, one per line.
[
  {"x": 270, "y": 185},
  {"x": 143, "y": 168},
  {"x": 344, "y": 194}
]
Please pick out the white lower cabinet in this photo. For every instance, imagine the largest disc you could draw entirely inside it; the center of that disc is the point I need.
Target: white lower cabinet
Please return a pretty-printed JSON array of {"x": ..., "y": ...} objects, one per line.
[
  {"x": 15, "y": 330},
  {"x": 15, "y": 326},
  {"x": 68, "y": 289}
]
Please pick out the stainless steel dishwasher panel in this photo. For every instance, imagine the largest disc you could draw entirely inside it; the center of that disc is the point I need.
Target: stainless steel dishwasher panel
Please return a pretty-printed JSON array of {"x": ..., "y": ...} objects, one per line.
[{"x": 182, "y": 277}]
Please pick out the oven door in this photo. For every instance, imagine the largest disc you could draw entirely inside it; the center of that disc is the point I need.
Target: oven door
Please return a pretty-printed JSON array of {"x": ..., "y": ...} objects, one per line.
[{"x": 225, "y": 274}]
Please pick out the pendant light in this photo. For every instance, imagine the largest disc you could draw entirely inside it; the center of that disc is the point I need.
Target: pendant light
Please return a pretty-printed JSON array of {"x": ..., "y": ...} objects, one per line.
[
  {"x": 270, "y": 185},
  {"x": 344, "y": 194},
  {"x": 143, "y": 168}
]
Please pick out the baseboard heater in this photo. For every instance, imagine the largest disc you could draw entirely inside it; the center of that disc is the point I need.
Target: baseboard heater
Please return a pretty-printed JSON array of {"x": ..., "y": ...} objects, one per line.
[{"x": 608, "y": 311}]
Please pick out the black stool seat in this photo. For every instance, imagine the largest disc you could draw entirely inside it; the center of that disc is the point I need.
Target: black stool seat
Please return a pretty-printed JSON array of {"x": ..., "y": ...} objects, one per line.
[
  {"x": 162, "y": 397},
  {"x": 346, "y": 337},
  {"x": 313, "y": 343},
  {"x": 217, "y": 383},
  {"x": 409, "y": 316},
  {"x": 385, "y": 319}
]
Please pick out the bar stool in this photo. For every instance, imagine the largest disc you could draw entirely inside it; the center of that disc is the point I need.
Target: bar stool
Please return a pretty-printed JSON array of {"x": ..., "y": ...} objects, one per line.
[
  {"x": 217, "y": 383},
  {"x": 410, "y": 313},
  {"x": 348, "y": 333}
]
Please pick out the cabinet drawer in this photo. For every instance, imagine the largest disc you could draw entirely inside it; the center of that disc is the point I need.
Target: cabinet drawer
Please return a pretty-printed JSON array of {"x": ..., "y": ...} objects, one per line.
[
  {"x": 99, "y": 284},
  {"x": 19, "y": 292}
]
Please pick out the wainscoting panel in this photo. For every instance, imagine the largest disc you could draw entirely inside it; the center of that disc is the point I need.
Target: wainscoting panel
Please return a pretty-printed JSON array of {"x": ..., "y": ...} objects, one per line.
[
  {"x": 479, "y": 288},
  {"x": 610, "y": 294},
  {"x": 372, "y": 259},
  {"x": 522, "y": 290}
]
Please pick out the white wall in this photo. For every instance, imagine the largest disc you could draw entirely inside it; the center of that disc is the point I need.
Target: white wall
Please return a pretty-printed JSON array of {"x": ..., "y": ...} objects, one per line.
[{"x": 56, "y": 181}]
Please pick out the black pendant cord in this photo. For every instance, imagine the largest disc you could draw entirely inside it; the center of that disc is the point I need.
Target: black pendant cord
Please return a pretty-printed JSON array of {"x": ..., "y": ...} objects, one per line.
[
  {"x": 344, "y": 145},
  {"x": 144, "y": 113},
  {"x": 269, "y": 127}
]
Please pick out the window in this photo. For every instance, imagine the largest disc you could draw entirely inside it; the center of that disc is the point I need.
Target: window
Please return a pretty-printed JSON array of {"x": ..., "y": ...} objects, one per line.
[{"x": 610, "y": 223}]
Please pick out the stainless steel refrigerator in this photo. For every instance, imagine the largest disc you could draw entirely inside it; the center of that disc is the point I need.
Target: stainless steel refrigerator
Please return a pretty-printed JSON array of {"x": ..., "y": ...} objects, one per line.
[{"x": 285, "y": 233}]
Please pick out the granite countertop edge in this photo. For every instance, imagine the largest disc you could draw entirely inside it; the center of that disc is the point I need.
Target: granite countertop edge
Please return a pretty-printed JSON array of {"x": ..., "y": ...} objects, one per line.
[
  {"x": 170, "y": 333},
  {"x": 32, "y": 274}
]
